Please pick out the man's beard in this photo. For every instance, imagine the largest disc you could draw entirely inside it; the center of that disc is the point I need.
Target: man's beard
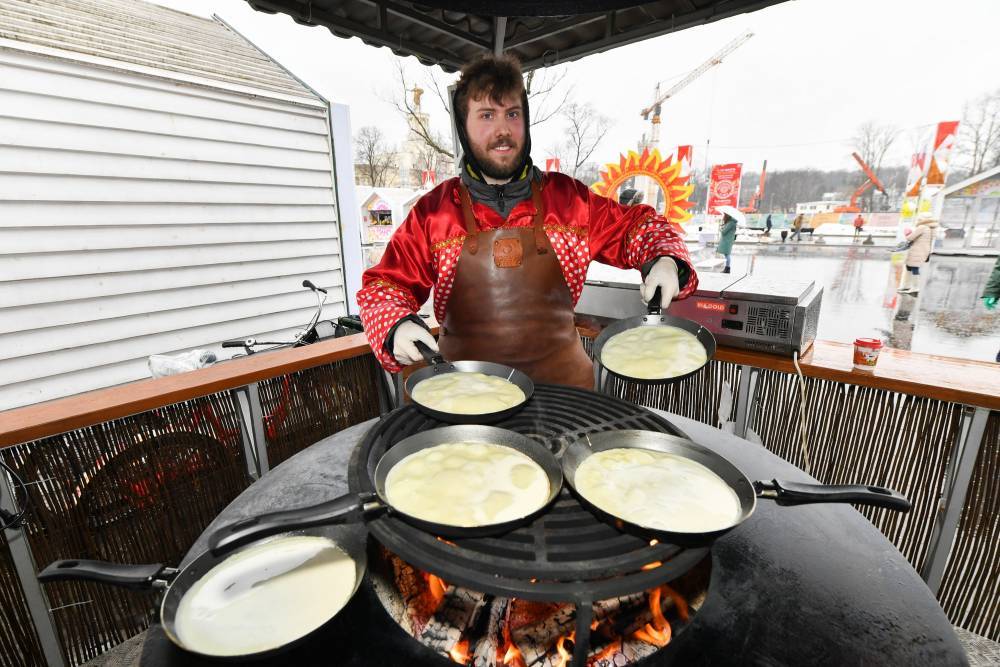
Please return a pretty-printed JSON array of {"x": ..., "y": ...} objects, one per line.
[{"x": 494, "y": 169}]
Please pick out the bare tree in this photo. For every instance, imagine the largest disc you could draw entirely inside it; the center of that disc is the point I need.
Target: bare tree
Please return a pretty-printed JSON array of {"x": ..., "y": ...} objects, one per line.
[
  {"x": 979, "y": 133},
  {"x": 547, "y": 90},
  {"x": 585, "y": 130},
  {"x": 374, "y": 155},
  {"x": 548, "y": 93},
  {"x": 415, "y": 117},
  {"x": 872, "y": 141}
]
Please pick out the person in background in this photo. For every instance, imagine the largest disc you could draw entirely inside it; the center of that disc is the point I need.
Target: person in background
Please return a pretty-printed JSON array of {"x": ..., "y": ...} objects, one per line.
[
  {"x": 859, "y": 225},
  {"x": 797, "y": 227},
  {"x": 919, "y": 253},
  {"x": 727, "y": 233},
  {"x": 767, "y": 225},
  {"x": 630, "y": 197},
  {"x": 991, "y": 293}
]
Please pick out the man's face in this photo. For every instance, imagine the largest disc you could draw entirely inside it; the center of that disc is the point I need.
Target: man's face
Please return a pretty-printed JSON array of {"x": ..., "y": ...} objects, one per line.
[{"x": 496, "y": 135}]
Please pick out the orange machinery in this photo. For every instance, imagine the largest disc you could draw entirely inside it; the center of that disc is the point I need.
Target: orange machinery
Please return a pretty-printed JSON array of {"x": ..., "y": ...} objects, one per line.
[{"x": 872, "y": 180}]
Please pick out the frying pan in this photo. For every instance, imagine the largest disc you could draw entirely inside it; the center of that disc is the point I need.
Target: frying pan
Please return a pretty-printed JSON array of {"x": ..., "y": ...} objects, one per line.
[
  {"x": 654, "y": 318},
  {"x": 176, "y": 582},
  {"x": 365, "y": 506},
  {"x": 784, "y": 493},
  {"x": 439, "y": 366}
]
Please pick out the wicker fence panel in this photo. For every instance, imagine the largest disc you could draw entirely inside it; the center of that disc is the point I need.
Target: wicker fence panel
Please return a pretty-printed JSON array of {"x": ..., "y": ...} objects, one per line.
[
  {"x": 138, "y": 489},
  {"x": 307, "y": 406},
  {"x": 19, "y": 645},
  {"x": 864, "y": 435},
  {"x": 970, "y": 590}
]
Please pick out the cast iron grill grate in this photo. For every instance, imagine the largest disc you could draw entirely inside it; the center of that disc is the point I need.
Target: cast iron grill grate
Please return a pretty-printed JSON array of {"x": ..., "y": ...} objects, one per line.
[{"x": 567, "y": 554}]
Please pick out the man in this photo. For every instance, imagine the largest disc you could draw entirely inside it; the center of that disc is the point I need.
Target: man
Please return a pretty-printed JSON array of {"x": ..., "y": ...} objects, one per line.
[
  {"x": 506, "y": 248},
  {"x": 797, "y": 224},
  {"x": 859, "y": 225}
]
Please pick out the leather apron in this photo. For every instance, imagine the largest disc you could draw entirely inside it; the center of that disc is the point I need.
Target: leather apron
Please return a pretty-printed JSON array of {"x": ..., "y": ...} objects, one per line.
[{"x": 510, "y": 303}]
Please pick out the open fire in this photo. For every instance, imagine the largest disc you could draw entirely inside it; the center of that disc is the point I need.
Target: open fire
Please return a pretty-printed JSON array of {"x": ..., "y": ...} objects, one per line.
[{"x": 482, "y": 630}]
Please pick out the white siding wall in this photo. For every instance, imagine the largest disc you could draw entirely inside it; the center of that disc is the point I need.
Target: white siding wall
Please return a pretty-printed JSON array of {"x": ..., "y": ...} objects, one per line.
[{"x": 142, "y": 215}]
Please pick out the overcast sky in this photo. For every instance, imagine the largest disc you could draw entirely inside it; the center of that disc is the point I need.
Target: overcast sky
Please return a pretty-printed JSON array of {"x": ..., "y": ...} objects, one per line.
[{"x": 793, "y": 94}]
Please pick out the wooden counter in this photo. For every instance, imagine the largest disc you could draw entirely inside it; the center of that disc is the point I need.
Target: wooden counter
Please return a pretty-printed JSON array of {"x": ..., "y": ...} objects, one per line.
[{"x": 944, "y": 378}]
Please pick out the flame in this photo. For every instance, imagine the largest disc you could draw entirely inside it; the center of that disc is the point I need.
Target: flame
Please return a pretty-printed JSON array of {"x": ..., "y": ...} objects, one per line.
[
  {"x": 441, "y": 539},
  {"x": 659, "y": 632},
  {"x": 606, "y": 652},
  {"x": 653, "y": 542},
  {"x": 652, "y": 566},
  {"x": 564, "y": 655},
  {"x": 460, "y": 652},
  {"x": 512, "y": 656},
  {"x": 679, "y": 602},
  {"x": 435, "y": 589},
  {"x": 666, "y": 173}
]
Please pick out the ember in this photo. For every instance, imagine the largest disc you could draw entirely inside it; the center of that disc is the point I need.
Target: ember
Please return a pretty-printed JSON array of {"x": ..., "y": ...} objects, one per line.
[
  {"x": 483, "y": 630},
  {"x": 460, "y": 652}
]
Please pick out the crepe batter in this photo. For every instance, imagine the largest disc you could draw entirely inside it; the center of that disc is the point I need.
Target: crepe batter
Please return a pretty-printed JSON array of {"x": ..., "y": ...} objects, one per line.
[
  {"x": 467, "y": 393},
  {"x": 653, "y": 353},
  {"x": 657, "y": 490},
  {"x": 467, "y": 484},
  {"x": 265, "y": 596}
]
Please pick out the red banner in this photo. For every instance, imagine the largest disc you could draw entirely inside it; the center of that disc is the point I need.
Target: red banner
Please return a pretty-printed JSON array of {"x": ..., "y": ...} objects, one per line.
[
  {"x": 427, "y": 178},
  {"x": 684, "y": 154},
  {"x": 552, "y": 164},
  {"x": 724, "y": 189},
  {"x": 944, "y": 142}
]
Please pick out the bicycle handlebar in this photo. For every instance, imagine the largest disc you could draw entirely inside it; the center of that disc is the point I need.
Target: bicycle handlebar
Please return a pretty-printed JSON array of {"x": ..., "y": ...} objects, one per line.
[{"x": 308, "y": 283}]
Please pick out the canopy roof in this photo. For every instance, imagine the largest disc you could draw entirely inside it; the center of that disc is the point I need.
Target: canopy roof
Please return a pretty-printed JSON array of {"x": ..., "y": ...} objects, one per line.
[{"x": 449, "y": 33}]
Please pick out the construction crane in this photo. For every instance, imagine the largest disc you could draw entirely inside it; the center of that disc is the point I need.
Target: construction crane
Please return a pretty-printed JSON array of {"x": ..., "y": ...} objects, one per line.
[
  {"x": 659, "y": 99},
  {"x": 758, "y": 194},
  {"x": 871, "y": 180},
  {"x": 645, "y": 184}
]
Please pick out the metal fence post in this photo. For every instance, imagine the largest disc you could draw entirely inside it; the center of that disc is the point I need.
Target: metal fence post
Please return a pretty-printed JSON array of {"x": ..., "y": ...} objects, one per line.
[
  {"x": 257, "y": 424},
  {"x": 34, "y": 594},
  {"x": 957, "y": 478},
  {"x": 242, "y": 398},
  {"x": 746, "y": 396}
]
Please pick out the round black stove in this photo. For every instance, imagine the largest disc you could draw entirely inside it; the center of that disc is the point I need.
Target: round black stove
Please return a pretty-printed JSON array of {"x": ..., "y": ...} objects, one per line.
[{"x": 566, "y": 554}]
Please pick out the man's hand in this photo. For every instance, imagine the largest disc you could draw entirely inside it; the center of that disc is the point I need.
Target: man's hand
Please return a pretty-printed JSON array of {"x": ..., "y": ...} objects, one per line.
[
  {"x": 662, "y": 275},
  {"x": 990, "y": 302},
  {"x": 403, "y": 339}
]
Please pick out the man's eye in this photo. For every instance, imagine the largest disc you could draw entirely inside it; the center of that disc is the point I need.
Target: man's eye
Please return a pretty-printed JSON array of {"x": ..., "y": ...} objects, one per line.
[
  {"x": 514, "y": 114},
  {"x": 486, "y": 115}
]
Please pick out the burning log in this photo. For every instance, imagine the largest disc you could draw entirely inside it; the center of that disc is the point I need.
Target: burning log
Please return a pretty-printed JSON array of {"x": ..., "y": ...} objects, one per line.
[{"x": 454, "y": 616}]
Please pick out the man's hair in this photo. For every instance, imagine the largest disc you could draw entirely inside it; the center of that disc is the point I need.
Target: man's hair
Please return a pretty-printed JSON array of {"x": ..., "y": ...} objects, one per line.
[{"x": 495, "y": 77}]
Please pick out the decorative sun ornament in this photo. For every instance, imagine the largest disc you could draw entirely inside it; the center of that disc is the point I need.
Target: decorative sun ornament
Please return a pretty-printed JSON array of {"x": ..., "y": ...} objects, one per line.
[{"x": 666, "y": 174}]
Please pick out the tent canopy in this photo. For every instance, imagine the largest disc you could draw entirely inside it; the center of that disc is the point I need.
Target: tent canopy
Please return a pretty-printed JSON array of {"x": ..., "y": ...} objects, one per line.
[{"x": 449, "y": 33}]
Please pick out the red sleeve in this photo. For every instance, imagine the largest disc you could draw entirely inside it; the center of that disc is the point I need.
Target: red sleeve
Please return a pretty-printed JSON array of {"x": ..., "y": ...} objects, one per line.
[
  {"x": 396, "y": 286},
  {"x": 630, "y": 236}
]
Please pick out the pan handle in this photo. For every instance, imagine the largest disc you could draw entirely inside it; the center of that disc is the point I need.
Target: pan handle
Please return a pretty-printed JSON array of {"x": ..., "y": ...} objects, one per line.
[
  {"x": 794, "y": 493},
  {"x": 135, "y": 577},
  {"x": 349, "y": 508},
  {"x": 428, "y": 354},
  {"x": 654, "y": 307}
]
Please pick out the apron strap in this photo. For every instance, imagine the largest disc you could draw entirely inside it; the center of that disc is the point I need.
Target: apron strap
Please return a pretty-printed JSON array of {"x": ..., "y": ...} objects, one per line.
[
  {"x": 536, "y": 199},
  {"x": 471, "y": 229}
]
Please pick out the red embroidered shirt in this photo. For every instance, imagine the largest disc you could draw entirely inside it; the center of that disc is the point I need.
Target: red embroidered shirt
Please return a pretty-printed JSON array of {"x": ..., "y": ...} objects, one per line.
[{"x": 581, "y": 226}]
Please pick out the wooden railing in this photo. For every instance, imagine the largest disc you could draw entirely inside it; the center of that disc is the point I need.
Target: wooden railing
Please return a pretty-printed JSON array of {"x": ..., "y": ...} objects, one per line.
[{"x": 135, "y": 473}]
